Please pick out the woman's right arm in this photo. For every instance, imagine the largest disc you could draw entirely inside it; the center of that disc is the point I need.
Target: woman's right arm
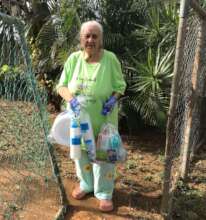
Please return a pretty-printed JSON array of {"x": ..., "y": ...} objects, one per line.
[
  {"x": 65, "y": 93},
  {"x": 66, "y": 76}
]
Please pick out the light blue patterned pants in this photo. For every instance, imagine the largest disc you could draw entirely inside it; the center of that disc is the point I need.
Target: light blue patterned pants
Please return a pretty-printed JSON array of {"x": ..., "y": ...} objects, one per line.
[{"x": 95, "y": 177}]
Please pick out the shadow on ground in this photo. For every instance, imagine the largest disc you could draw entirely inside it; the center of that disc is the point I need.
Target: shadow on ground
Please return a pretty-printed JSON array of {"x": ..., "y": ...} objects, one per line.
[{"x": 127, "y": 206}]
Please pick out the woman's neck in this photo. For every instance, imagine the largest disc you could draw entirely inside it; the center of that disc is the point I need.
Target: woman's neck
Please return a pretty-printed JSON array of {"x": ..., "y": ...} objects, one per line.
[{"x": 93, "y": 58}]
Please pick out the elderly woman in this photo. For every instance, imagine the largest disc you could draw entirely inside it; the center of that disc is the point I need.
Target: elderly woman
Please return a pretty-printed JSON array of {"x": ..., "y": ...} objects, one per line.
[{"x": 95, "y": 73}]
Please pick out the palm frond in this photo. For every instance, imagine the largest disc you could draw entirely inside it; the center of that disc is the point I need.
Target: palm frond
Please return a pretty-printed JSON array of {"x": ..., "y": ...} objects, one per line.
[
  {"x": 150, "y": 83},
  {"x": 149, "y": 106},
  {"x": 9, "y": 41},
  {"x": 57, "y": 34},
  {"x": 47, "y": 34}
]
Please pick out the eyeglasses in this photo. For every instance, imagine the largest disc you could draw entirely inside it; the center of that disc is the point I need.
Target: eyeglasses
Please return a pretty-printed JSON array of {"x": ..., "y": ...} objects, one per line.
[{"x": 93, "y": 36}]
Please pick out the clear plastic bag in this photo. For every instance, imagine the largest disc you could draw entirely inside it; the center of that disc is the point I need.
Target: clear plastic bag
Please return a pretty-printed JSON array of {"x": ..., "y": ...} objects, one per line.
[{"x": 109, "y": 144}]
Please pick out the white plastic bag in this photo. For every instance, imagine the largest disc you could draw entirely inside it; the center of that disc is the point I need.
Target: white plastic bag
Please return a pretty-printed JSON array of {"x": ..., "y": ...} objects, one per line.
[
  {"x": 109, "y": 141},
  {"x": 60, "y": 131}
]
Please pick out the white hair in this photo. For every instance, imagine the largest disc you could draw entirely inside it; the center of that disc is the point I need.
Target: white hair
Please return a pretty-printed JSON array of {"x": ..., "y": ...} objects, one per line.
[{"x": 93, "y": 23}]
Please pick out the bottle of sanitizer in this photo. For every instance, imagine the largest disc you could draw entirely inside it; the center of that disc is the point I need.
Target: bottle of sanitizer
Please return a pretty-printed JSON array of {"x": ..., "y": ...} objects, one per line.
[{"x": 75, "y": 139}]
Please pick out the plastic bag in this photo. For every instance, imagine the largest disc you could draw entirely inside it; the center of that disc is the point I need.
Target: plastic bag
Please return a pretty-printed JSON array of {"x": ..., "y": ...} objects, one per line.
[
  {"x": 60, "y": 131},
  {"x": 74, "y": 131},
  {"x": 87, "y": 135},
  {"x": 109, "y": 144}
]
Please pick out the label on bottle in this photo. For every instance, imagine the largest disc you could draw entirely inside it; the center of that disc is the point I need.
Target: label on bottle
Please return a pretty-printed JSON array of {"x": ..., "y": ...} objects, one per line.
[
  {"x": 84, "y": 127},
  {"x": 75, "y": 141}
]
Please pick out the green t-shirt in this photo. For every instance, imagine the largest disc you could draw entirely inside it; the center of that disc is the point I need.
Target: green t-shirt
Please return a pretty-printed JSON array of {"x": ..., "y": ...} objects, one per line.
[{"x": 96, "y": 81}]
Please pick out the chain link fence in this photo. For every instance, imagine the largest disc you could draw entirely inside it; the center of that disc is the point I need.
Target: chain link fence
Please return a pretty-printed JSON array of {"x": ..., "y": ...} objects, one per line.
[
  {"x": 30, "y": 184},
  {"x": 184, "y": 130}
]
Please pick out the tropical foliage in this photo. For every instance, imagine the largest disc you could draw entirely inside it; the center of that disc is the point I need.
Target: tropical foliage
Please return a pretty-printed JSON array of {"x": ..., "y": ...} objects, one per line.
[
  {"x": 149, "y": 67},
  {"x": 141, "y": 32},
  {"x": 150, "y": 84}
]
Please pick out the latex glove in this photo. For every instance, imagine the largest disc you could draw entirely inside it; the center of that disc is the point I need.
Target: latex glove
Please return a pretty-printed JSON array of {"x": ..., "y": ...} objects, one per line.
[
  {"x": 109, "y": 105},
  {"x": 75, "y": 105}
]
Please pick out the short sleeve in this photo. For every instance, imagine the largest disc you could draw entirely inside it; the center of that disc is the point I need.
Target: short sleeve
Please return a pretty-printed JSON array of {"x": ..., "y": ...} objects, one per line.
[
  {"x": 67, "y": 72},
  {"x": 119, "y": 83}
]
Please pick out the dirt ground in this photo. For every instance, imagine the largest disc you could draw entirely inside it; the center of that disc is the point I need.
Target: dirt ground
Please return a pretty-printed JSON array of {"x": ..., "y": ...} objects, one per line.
[
  {"x": 138, "y": 183},
  {"x": 137, "y": 192}
]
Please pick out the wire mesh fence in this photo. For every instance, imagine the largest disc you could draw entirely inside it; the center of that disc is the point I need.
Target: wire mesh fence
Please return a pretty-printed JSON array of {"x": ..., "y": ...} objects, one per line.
[
  {"x": 186, "y": 132},
  {"x": 30, "y": 186}
]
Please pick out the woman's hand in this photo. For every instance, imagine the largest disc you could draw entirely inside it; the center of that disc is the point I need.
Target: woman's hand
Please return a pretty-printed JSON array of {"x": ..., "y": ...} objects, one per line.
[
  {"x": 109, "y": 105},
  {"x": 75, "y": 105},
  {"x": 65, "y": 93}
]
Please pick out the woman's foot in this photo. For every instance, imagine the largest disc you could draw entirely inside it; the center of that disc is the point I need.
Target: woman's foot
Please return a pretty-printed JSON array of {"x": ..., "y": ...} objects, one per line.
[
  {"x": 78, "y": 193},
  {"x": 106, "y": 205}
]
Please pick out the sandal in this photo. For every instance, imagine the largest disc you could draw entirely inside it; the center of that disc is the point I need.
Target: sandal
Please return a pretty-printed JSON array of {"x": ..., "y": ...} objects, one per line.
[
  {"x": 78, "y": 193},
  {"x": 106, "y": 205}
]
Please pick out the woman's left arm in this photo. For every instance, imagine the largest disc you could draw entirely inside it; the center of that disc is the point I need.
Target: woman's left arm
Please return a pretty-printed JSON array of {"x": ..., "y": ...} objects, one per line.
[
  {"x": 116, "y": 95},
  {"x": 118, "y": 81}
]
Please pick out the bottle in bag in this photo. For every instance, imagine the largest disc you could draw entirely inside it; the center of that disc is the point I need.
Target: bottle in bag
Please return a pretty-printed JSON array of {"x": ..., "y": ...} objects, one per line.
[
  {"x": 113, "y": 151},
  {"x": 87, "y": 135}
]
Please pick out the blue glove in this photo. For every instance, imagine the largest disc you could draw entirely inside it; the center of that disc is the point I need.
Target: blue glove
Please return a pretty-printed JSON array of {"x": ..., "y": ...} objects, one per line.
[
  {"x": 75, "y": 105},
  {"x": 109, "y": 105}
]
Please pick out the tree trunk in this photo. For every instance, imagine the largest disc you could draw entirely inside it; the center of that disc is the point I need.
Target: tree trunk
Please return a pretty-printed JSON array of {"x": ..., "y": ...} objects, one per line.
[
  {"x": 201, "y": 87},
  {"x": 193, "y": 114},
  {"x": 166, "y": 205},
  {"x": 190, "y": 114}
]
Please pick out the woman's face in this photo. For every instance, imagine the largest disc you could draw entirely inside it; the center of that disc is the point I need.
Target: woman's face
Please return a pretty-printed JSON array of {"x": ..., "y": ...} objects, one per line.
[{"x": 91, "y": 39}]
